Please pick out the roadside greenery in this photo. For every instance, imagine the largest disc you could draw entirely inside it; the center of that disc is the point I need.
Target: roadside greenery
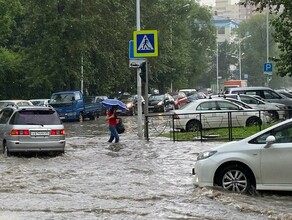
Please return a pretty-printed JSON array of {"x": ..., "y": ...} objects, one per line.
[
  {"x": 44, "y": 45},
  {"x": 48, "y": 46},
  {"x": 220, "y": 134},
  {"x": 283, "y": 29}
]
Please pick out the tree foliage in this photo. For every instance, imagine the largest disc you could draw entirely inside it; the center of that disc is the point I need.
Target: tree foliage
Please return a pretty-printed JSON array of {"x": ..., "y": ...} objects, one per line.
[
  {"x": 53, "y": 45},
  {"x": 283, "y": 31}
]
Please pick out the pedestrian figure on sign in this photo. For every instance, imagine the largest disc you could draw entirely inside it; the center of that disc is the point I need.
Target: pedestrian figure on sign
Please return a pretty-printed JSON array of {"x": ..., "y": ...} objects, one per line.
[{"x": 145, "y": 46}]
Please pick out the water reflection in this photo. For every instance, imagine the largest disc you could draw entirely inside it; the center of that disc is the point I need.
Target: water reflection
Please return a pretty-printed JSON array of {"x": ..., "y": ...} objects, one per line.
[{"x": 134, "y": 179}]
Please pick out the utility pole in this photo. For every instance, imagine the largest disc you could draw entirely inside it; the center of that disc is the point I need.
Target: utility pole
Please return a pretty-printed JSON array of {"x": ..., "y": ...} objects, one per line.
[{"x": 139, "y": 83}]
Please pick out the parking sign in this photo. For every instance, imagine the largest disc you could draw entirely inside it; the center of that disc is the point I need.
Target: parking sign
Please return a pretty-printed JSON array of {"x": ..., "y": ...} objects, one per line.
[{"x": 268, "y": 68}]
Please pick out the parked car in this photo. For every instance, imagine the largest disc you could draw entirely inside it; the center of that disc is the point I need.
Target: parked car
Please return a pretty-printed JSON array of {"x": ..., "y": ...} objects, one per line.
[
  {"x": 266, "y": 93},
  {"x": 284, "y": 92},
  {"x": 212, "y": 113},
  {"x": 180, "y": 99},
  {"x": 5, "y": 103},
  {"x": 277, "y": 110},
  {"x": 196, "y": 96},
  {"x": 160, "y": 103},
  {"x": 99, "y": 99},
  {"x": 131, "y": 103},
  {"x": 188, "y": 92},
  {"x": 31, "y": 129},
  {"x": 74, "y": 106},
  {"x": 41, "y": 102},
  {"x": 259, "y": 162}
]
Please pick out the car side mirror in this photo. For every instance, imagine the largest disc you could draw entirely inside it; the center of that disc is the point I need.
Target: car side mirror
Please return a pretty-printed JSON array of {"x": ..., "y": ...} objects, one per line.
[{"x": 270, "y": 140}]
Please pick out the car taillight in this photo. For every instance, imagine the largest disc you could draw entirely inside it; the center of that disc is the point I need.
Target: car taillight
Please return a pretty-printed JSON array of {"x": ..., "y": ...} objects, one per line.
[
  {"x": 175, "y": 116},
  {"x": 19, "y": 132},
  {"x": 58, "y": 132}
]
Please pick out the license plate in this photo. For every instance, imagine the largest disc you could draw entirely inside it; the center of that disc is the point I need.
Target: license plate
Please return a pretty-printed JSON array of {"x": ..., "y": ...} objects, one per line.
[
  {"x": 62, "y": 117},
  {"x": 39, "y": 133}
]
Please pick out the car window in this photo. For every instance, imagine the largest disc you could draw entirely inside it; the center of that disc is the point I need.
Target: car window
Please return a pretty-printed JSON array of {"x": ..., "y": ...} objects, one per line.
[
  {"x": 207, "y": 106},
  {"x": 248, "y": 100},
  {"x": 47, "y": 117},
  {"x": 282, "y": 134},
  {"x": 5, "y": 115},
  {"x": 227, "y": 106},
  {"x": 156, "y": 97},
  {"x": 271, "y": 95}
]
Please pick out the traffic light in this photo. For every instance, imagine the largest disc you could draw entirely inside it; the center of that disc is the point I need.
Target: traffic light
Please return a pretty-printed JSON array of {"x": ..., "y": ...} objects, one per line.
[{"x": 143, "y": 71}]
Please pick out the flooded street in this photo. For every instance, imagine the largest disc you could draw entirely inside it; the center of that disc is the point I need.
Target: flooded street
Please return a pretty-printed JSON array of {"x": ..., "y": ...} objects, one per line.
[{"x": 135, "y": 179}]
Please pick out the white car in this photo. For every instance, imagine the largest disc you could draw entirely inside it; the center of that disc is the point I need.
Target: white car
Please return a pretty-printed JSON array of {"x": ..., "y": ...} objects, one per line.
[
  {"x": 40, "y": 102},
  {"x": 14, "y": 102},
  {"x": 215, "y": 113},
  {"x": 259, "y": 162}
]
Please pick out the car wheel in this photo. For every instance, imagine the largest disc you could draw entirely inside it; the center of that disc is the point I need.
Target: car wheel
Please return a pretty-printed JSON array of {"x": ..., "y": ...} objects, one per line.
[
  {"x": 274, "y": 115},
  {"x": 253, "y": 121},
  {"x": 5, "y": 150},
  {"x": 193, "y": 125},
  {"x": 80, "y": 117},
  {"x": 237, "y": 179},
  {"x": 94, "y": 116}
]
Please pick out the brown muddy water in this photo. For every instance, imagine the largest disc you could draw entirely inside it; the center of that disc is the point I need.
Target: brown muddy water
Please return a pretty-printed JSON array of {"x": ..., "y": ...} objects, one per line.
[{"x": 134, "y": 179}]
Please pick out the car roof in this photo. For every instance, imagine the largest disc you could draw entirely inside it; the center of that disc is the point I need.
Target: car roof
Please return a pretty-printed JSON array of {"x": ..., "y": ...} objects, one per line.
[
  {"x": 14, "y": 100},
  {"x": 250, "y": 88},
  {"x": 29, "y": 107}
]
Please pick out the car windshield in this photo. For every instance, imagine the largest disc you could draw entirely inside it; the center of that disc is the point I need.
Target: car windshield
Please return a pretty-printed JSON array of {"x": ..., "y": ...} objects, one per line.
[
  {"x": 156, "y": 97},
  {"x": 38, "y": 102},
  {"x": 174, "y": 96},
  {"x": 4, "y": 104},
  {"x": 62, "y": 98},
  {"x": 126, "y": 98},
  {"x": 38, "y": 117}
]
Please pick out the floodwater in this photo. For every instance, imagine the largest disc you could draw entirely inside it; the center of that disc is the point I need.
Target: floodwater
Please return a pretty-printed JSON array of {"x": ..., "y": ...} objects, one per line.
[{"x": 134, "y": 179}]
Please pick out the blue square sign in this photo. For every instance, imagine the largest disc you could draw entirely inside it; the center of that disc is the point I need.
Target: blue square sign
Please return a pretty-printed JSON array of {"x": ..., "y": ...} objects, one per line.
[{"x": 268, "y": 68}]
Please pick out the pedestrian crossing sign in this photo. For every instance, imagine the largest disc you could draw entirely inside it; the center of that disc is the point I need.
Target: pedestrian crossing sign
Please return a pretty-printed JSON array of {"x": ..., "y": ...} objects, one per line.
[{"x": 145, "y": 43}]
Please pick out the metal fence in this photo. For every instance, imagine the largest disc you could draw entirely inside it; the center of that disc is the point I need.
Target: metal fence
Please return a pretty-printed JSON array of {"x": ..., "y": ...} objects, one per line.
[{"x": 228, "y": 129}]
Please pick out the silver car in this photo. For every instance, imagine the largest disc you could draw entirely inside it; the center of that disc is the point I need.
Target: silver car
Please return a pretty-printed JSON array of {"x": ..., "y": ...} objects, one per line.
[{"x": 31, "y": 129}]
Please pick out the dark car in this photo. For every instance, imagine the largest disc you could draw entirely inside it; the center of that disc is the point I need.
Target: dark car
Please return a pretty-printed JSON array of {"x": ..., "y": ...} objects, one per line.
[
  {"x": 196, "y": 96},
  {"x": 160, "y": 103},
  {"x": 131, "y": 103},
  {"x": 180, "y": 99}
]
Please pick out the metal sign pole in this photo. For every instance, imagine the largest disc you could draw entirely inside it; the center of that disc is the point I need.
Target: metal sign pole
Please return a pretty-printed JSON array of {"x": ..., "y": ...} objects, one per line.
[
  {"x": 146, "y": 135},
  {"x": 139, "y": 83}
]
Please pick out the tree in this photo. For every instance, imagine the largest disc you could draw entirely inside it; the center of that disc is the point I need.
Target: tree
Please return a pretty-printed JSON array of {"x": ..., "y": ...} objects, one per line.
[
  {"x": 254, "y": 49},
  {"x": 283, "y": 29}
]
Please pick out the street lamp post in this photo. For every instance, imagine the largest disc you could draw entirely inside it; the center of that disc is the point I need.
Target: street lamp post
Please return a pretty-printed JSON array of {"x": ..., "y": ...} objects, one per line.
[
  {"x": 217, "y": 68},
  {"x": 239, "y": 54}
]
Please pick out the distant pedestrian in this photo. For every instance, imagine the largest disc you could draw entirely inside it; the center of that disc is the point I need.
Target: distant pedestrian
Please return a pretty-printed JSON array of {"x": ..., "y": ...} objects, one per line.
[{"x": 112, "y": 118}]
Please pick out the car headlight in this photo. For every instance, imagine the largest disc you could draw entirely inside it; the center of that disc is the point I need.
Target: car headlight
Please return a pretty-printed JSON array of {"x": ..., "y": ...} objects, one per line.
[
  {"x": 206, "y": 154},
  {"x": 160, "y": 103},
  {"x": 129, "y": 105}
]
